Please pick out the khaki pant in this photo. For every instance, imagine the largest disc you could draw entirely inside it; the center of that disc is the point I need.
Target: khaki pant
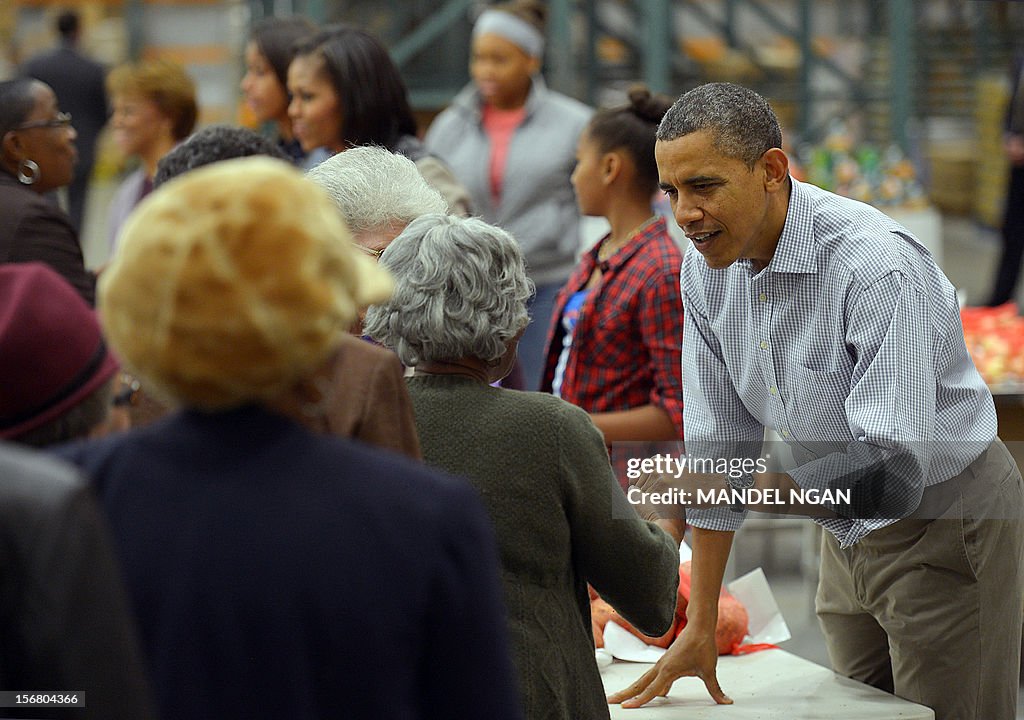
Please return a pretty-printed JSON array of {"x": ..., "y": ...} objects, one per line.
[{"x": 931, "y": 609}]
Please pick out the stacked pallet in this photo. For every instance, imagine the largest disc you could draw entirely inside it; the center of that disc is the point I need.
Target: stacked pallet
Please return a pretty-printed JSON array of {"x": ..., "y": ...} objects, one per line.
[{"x": 992, "y": 94}]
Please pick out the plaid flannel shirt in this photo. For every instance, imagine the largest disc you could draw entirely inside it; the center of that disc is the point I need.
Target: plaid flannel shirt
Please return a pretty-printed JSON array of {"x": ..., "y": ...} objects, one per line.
[{"x": 626, "y": 347}]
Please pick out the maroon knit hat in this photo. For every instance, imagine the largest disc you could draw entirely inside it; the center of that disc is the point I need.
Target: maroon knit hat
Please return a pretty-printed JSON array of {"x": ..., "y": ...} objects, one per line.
[{"x": 52, "y": 355}]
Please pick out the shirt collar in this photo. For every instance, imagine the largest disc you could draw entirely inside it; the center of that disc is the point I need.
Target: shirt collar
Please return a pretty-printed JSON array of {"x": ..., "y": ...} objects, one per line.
[
  {"x": 795, "y": 251},
  {"x": 646, "y": 231}
]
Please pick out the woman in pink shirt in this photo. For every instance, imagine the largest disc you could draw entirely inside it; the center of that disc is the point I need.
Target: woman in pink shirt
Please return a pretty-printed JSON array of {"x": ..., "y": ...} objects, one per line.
[{"x": 512, "y": 143}]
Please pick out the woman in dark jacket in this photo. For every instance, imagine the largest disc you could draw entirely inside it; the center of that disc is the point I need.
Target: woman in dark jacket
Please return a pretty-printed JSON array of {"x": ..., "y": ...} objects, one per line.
[
  {"x": 38, "y": 156},
  {"x": 276, "y": 572}
]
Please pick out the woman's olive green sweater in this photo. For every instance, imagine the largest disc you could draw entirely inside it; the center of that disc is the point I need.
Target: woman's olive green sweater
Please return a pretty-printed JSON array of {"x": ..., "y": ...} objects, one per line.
[{"x": 562, "y": 521}]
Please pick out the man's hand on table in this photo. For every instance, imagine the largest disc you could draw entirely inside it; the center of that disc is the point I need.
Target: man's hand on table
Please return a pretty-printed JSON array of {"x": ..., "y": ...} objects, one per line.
[{"x": 693, "y": 654}]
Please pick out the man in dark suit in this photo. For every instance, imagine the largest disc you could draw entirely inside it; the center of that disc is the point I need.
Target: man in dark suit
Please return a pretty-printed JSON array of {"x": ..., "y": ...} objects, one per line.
[{"x": 79, "y": 85}]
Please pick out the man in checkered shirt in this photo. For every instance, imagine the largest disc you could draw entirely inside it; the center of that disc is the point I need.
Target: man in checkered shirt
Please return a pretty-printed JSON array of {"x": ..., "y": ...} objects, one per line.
[{"x": 822, "y": 319}]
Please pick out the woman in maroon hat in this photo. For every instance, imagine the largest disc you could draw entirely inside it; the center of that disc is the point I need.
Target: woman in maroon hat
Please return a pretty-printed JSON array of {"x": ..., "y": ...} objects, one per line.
[
  {"x": 56, "y": 375},
  {"x": 37, "y": 156}
]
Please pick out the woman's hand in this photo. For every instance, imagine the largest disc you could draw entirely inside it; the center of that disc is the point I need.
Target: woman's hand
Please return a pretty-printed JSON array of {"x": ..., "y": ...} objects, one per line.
[
  {"x": 647, "y": 486},
  {"x": 693, "y": 654}
]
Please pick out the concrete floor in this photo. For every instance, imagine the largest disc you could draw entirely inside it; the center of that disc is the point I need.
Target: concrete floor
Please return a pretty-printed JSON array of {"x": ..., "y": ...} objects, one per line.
[{"x": 970, "y": 255}]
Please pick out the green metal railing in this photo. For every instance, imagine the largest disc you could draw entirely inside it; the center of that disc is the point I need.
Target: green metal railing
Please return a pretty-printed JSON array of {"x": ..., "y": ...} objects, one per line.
[
  {"x": 659, "y": 62},
  {"x": 429, "y": 31}
]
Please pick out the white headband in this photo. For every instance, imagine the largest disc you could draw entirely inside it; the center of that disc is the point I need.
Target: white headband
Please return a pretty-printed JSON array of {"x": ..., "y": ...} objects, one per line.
[{"x": 512, "y": 29}]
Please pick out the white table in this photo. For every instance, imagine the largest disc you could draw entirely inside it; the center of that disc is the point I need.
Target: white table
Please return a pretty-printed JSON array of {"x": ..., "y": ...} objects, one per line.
[{"x": 765, "y": 685}]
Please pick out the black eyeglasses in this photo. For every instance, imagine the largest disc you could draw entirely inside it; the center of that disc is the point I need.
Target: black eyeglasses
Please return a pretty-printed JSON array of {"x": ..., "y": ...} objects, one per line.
[{"x": 62, "y": 120}]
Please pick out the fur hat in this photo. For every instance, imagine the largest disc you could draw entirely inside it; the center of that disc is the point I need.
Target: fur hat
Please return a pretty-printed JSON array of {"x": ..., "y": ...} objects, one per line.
[
  {"x": 232, "y": 283},
  {"x": 52, "y": 355}
]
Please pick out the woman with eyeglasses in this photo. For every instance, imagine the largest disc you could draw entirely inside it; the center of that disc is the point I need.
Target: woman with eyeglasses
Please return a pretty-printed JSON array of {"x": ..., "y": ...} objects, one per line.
[{"x": 38, "y": 156}]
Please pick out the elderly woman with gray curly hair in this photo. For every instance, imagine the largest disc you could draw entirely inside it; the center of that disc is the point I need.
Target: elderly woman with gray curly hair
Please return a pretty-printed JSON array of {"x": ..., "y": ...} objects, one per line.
[{"x": 457, "y": 313}]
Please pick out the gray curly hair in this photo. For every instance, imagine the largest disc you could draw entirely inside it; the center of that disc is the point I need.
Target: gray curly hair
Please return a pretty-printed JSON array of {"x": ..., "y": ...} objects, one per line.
[
  {"x": 741, "y": 122},
  {"x": 460, "y": 291},
  {"x": 375, "y": 189}
]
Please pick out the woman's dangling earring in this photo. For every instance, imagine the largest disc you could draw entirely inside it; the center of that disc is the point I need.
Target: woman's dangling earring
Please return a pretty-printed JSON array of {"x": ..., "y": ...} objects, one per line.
[{"x": 28, "y": 172}]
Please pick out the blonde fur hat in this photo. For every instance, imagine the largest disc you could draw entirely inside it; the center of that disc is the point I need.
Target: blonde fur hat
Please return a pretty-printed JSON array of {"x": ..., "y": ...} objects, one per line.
[{"x": 232, "y": 283}]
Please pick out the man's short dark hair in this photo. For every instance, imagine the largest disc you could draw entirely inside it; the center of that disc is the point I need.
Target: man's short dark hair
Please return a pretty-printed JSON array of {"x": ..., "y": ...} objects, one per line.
[
  {"x": 211, "y": 144},
  {"x": 68, "y": 23},
  {"x": 742, "y": 124}
]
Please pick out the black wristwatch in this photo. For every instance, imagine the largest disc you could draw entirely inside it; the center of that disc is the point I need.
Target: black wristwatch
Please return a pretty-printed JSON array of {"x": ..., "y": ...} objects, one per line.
[{"x": 743, "y": 482}]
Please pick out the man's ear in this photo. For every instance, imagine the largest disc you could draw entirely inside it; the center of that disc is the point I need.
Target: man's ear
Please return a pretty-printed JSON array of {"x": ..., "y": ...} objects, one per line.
[
  {"x": 534, "y": 64},
  {"x": 776, "y": 169}
]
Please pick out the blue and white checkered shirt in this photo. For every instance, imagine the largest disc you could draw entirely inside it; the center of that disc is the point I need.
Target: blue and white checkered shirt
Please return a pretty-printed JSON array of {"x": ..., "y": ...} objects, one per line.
[{"x": 850, "y": 339}]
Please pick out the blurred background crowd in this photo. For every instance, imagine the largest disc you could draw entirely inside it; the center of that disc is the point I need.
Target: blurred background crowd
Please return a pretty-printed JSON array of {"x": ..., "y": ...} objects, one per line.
[{"x": 851, "y": 81}]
